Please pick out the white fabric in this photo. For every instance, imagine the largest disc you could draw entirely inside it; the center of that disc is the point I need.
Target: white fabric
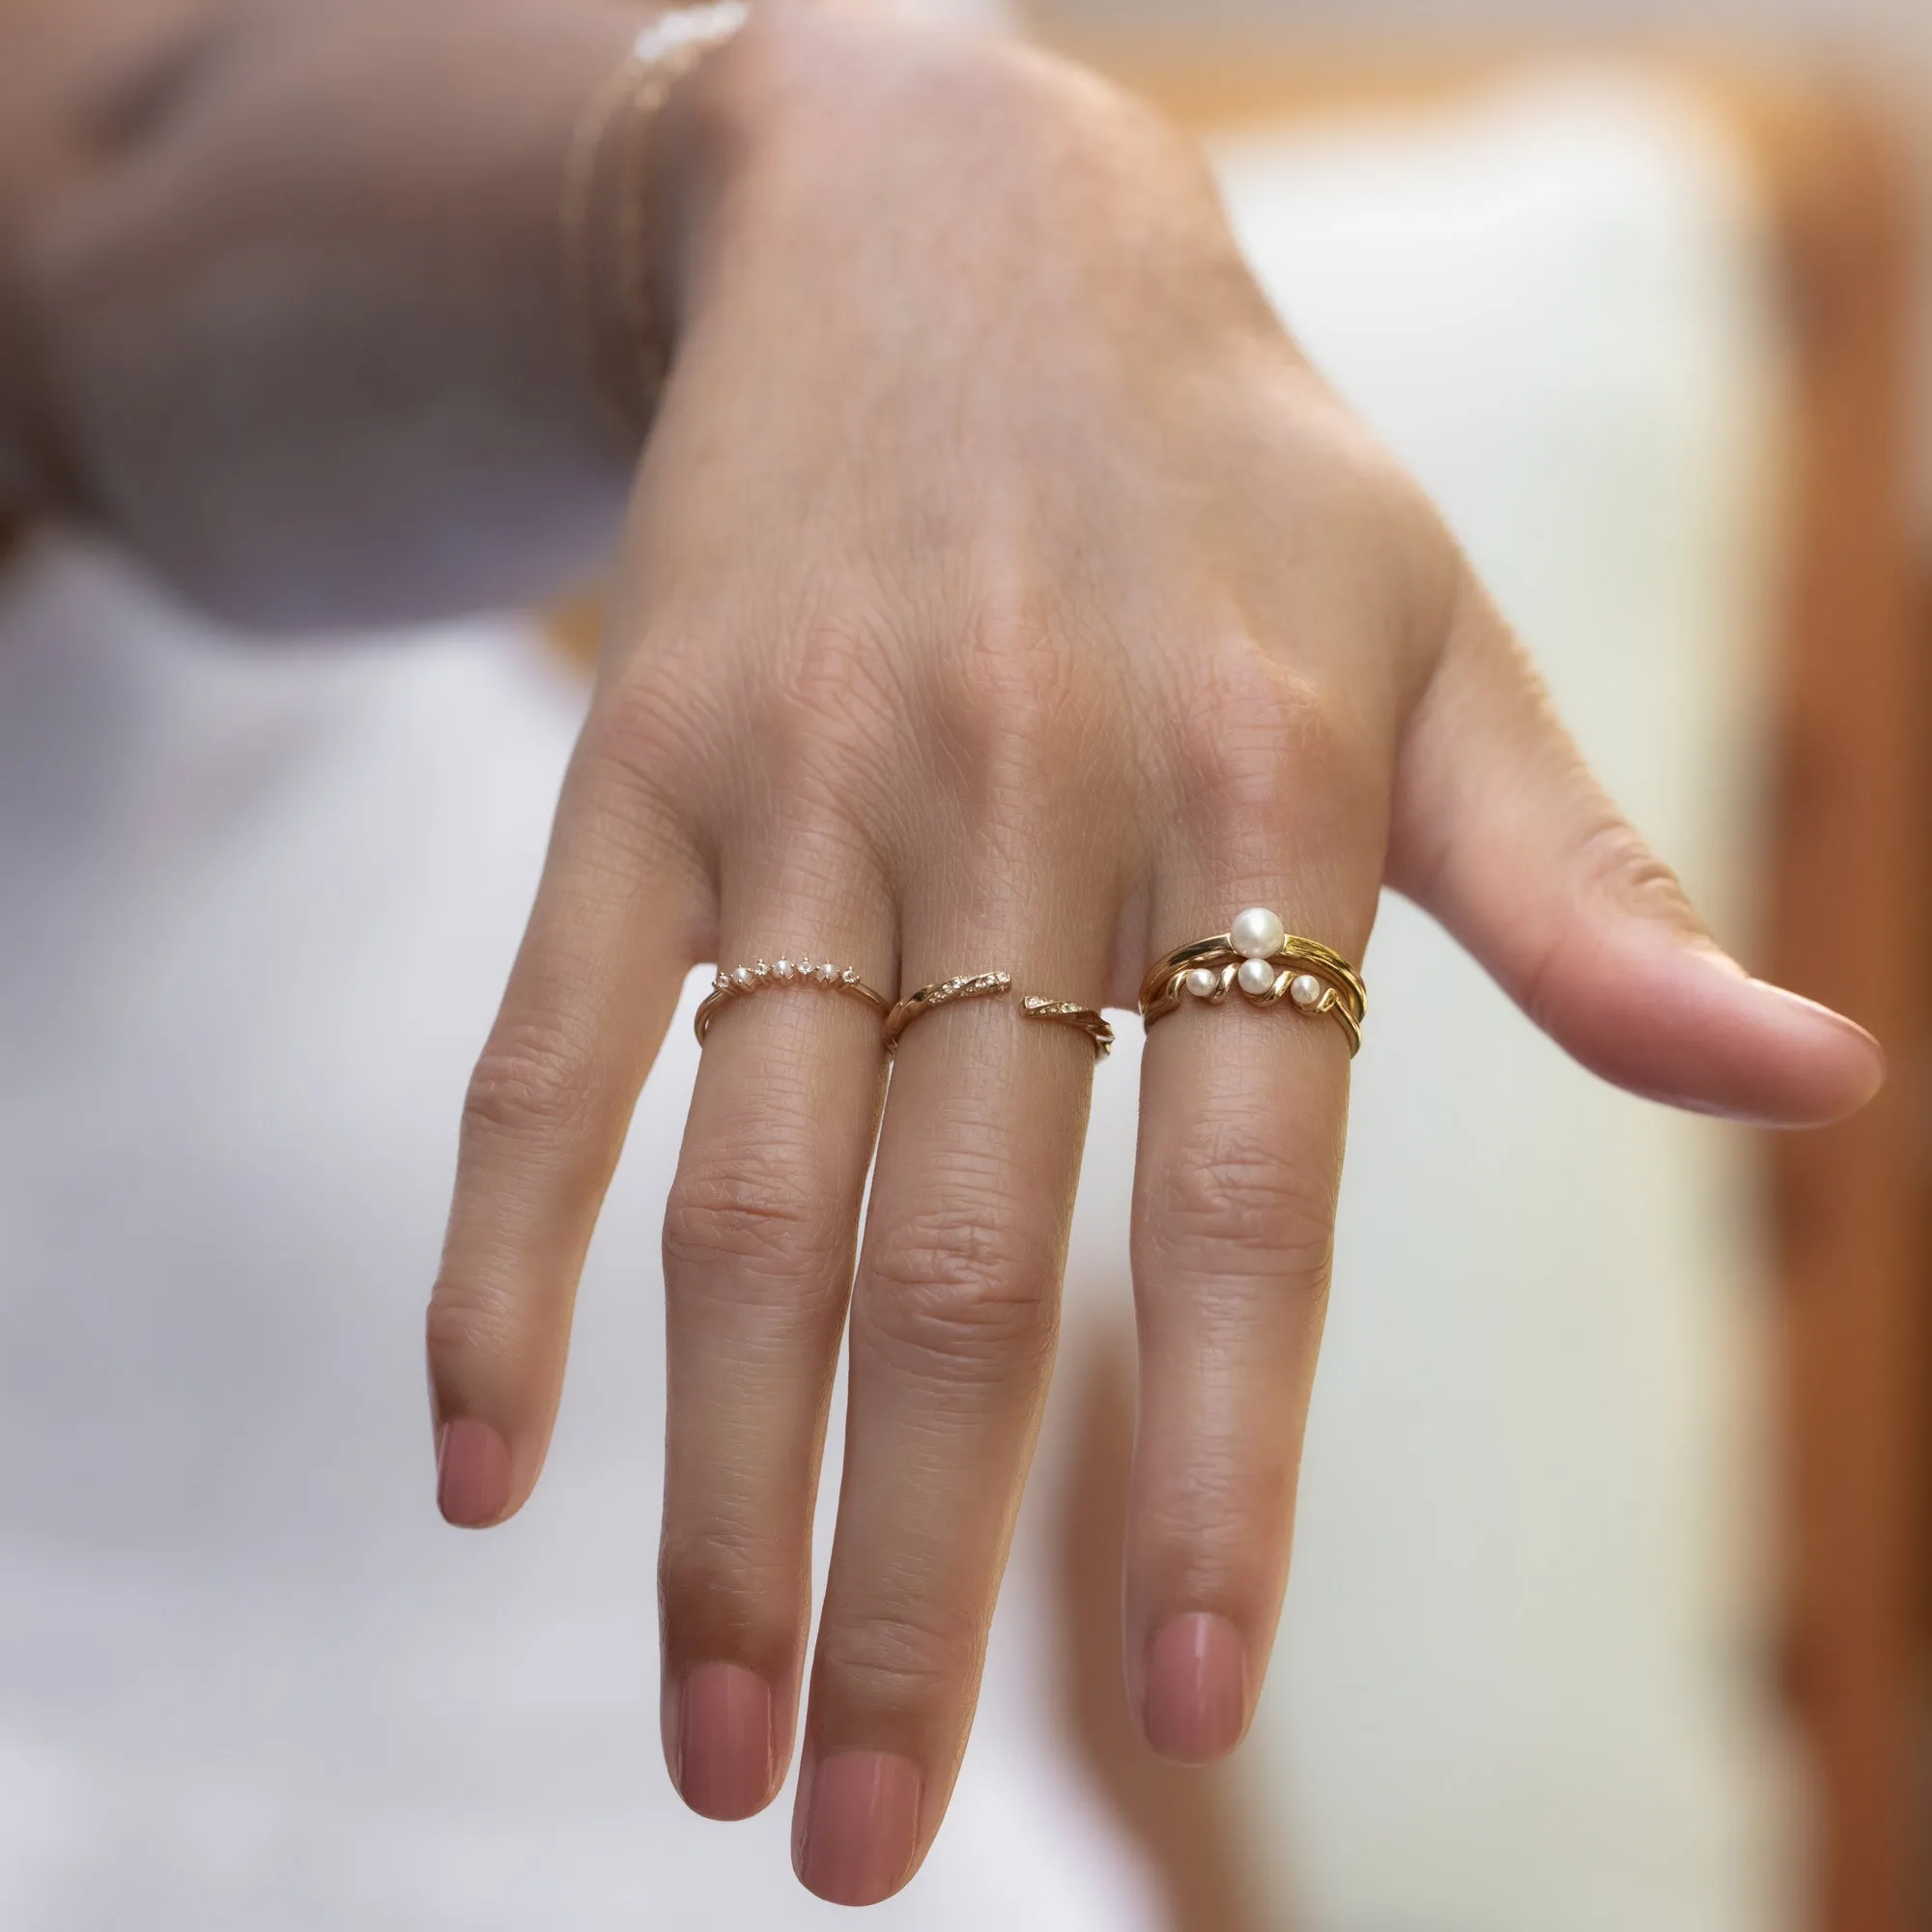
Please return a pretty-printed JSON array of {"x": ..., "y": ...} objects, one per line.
[{"x": 258, "y": 906}]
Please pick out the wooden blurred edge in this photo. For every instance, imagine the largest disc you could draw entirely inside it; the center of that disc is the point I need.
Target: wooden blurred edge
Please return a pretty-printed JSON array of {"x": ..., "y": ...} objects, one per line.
[{"x": 1846, "y": 896}]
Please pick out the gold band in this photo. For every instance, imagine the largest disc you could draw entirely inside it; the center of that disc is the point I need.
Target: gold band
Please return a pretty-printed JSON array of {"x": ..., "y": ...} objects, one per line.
[
  {"x": 996, "y": 986},
  {"x": 1268, "y": 966},
  {"x": 743, "y": 980}
]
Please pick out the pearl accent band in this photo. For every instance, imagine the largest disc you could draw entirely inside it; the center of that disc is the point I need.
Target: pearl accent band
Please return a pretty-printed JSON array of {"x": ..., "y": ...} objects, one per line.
[
  {"x": 1267, "y": 964},
  {"x": 742, "y": 980},
  {"x": 996, "y": 986}
]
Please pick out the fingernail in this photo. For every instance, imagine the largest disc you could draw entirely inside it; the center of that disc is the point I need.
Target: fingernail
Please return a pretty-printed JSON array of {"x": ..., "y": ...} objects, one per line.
[
  {"x": 862, "y": 1827},
  {"x": 1832, "y": 1065},
  {"x": 725, "y": 1741},
  {"x": 473, "y": 1474},
  {"x": 1197, "y": 1688}
]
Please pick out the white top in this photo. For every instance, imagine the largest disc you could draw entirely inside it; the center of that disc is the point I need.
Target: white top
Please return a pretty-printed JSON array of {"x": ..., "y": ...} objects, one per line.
[{"x": 256, "y": 906}]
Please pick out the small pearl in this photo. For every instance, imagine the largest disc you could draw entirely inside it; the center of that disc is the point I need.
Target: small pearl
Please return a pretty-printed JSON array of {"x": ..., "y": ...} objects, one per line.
[
  {"x": 742, "y": 977},
  {"x": 1257, "y": 933},
  {"x": 1202, "y": 982},
  {"x": 827, "y": 974},
  {"x": 1256, "y": 976},
  {"x": 1306, "y": 990},
  {"x": 782, "y": 969}
]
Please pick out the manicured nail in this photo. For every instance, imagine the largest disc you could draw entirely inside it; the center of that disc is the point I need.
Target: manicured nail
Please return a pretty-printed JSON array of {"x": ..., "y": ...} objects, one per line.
[
  {"x": 1197, "y": 1688},
  {"x": 862, "y": 1827},
  {"x": 1830, "y": 1066},
  {"x": 725, "y": 1741},
  {"x": 473, "y": 1474}
]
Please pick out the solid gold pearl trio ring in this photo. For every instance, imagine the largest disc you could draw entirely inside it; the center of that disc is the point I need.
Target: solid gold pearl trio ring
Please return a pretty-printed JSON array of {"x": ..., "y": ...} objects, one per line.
[{"x": 1258, "y": 958}]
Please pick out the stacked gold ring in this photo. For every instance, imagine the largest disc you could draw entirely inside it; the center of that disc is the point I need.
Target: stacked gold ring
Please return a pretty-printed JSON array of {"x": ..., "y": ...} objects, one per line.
[
  {"x": 996, "y": 986},
  {"x": 742, "y": 980},
  {"x": 1268, "y": 965}
]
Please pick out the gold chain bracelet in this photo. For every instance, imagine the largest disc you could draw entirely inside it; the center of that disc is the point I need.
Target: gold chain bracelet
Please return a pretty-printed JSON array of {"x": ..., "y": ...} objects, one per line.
[{"x": 664, "y": 53}]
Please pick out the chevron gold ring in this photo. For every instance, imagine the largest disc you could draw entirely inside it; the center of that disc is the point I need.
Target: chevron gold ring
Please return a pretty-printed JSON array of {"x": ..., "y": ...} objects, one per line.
[
  {"x": 1268, "y": 965},
  {"x": 993, "y": 986}
]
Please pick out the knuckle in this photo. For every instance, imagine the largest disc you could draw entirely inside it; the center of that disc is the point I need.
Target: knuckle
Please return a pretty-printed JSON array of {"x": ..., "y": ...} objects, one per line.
[
  {"x": 913, "y": 1658},
  {"x": 723, "y": 1570},
  {"x": 531, "y": 1082},
  {"x": 958, "y": 1287},
  {"x": 1011, "y": 706},
  {"x": 641, "y": 728},
  {"x": 1239, "y": 1205},
  {"x": 830, "y": 722},
  {"x": 1253, "y": 734},
  {"x": 466, "y": 1322},
  {"x": 1619, "y": 868},
  {"x": 755, "y": 1214}
]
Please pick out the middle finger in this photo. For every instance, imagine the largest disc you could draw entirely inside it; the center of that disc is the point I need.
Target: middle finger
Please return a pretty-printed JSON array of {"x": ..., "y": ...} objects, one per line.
[{"x": 953, "y": 1320}]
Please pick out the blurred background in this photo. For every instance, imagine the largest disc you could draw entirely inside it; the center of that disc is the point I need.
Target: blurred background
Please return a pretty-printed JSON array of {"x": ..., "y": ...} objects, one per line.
[
  {"x": 1609, "y": 1600},
  {"x": 1609, "y": 1608}
]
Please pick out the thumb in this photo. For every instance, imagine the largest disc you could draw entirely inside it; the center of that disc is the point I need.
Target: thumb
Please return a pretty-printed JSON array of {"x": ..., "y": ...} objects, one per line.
[{"x": 1502, "y": 832}]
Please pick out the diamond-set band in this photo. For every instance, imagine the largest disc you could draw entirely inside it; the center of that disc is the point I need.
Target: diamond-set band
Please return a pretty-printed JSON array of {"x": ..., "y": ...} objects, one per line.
[
  {"x": 996, "y": 986},
  {"x": 740, "y": 982},
  {"x": 1268, "y": 965}
]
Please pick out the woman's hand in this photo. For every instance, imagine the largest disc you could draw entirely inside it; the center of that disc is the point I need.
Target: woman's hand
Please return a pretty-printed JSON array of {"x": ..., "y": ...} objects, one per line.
[{"x": 1002, "y": 591}]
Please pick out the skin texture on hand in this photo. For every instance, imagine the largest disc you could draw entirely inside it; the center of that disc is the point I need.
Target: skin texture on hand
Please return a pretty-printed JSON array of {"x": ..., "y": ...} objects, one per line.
[{"x": 1000, "y": 590}]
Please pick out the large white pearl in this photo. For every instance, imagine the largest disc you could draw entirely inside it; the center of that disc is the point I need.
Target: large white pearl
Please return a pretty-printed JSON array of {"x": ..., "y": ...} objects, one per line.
[
  {"x": 1202, "y": 982},
  {"x": 1306, "y": 990},
  {"x": 1256, "y": 976},
  {"x": 1257, "y": 933}
]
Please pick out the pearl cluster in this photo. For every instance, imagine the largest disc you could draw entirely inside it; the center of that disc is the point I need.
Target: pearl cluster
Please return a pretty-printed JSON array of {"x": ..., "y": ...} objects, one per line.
[
  {"x": 783, "y": 972},
  {"x": 1257, "y": 935}
]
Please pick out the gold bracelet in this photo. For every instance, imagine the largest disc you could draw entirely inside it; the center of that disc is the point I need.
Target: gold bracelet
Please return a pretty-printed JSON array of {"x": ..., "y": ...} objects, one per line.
[{"x": 664, "y": 53}]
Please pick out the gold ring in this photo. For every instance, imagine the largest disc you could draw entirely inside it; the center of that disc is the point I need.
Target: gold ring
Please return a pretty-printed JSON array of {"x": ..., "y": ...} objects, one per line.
[
  {"x": 996, "y": 986},
  {"x": 1269, "y": 964},
  {"x": 742, "y": 980}
]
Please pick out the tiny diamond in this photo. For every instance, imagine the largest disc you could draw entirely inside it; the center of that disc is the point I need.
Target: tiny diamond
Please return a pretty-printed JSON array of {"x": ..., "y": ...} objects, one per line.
[
  {"x": 805, "y": 969},
  {"x": 850, "y": 978},
  {"x": 761, "y": 971}
]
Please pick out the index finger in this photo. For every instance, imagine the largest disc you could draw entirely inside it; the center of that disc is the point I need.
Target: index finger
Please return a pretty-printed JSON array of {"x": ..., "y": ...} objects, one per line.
[{"x": 594, "y": 985}]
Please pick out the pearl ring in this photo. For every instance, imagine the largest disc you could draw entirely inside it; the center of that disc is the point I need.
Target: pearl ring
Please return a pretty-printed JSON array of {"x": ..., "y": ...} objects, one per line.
[{"x": 1267, "y": 964}]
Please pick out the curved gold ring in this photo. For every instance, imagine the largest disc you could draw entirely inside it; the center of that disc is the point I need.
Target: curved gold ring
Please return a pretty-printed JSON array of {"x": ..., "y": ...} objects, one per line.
[
  {"x": 991, "y": 986},
  {"x": 742, "y": 980},
  {"x": 1266, "y": 964}
]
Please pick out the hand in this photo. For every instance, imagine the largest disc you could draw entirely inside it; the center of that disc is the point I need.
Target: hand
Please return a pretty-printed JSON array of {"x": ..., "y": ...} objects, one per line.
[{"x": 1002, "y": 590}]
